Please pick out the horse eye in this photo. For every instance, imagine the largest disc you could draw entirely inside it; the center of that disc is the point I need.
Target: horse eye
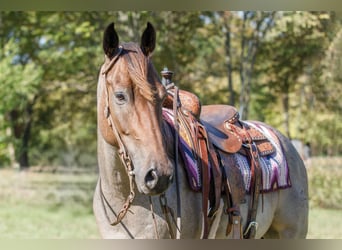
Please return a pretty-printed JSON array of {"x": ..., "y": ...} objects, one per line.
[{"x": 120, "y": 97}]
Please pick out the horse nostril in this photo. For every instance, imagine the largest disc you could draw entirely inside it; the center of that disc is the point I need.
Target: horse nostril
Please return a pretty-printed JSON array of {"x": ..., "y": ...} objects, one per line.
[{"x": 151, "y": 178}]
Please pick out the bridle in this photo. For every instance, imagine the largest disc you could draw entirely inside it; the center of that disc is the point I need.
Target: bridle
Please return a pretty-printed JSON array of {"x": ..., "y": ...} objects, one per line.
[
  {"x": 128, "y": 164},
  {"x": 125, "y": 159}
]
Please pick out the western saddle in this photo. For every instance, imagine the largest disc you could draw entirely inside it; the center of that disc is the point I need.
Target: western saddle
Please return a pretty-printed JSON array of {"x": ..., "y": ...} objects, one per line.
[{"x": 217, "y": 129}]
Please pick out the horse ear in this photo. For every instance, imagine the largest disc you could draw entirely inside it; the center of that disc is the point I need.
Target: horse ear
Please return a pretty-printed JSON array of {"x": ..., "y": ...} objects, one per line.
[
  {"x": 148, "y": 40},
  {"x": 110, "y": 41}
]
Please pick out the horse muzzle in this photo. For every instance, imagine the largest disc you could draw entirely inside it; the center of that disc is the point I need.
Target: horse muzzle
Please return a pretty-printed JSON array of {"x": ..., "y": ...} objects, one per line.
[{"x": 155, "y": 181}]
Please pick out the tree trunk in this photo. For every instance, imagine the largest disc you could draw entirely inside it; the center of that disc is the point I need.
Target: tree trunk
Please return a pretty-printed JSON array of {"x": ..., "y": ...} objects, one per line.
[
  {"x": 249, "y": 49},
  {"x": 21, "y": 126},
  {"x": 243, "y": 63},
  {"x": 23, "y": 154},
  {"x": 133, "y": 19},
  {"x": 10, "y": 148},
  {"x": 226, "y": 30},
  {"x": 229, "y": 69},
  {"x": 286, "y": 104}
]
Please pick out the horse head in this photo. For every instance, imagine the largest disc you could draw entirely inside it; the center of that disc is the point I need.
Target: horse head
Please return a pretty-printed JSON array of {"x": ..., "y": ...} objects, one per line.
[{"x": 130, "y": 110}]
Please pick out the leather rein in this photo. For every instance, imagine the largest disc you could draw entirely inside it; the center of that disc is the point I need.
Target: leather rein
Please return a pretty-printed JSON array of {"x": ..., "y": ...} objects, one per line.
[{"x": 128, "y": 164}]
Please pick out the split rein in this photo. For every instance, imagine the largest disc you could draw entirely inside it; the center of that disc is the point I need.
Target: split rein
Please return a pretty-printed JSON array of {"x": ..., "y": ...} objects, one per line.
[{"x": 127, "y": 162}]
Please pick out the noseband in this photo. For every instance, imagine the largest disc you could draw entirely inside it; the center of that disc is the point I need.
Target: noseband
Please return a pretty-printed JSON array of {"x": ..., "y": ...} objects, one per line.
[{"x": 125, "y": 159}]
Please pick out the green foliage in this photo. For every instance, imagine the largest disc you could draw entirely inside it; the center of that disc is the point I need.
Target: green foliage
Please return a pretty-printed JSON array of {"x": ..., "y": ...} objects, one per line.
[
  {"x": 19, "y": 82},
  {"x": 295, "y": 38},
  {"x": 19, "y": 85},
  {"x": 49, "y": 63},
  {"x": 47, "y": 68}
]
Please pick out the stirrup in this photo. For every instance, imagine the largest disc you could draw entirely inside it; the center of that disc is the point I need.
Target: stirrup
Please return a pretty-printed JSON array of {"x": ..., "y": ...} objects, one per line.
[{"x": 251, "y": 224}]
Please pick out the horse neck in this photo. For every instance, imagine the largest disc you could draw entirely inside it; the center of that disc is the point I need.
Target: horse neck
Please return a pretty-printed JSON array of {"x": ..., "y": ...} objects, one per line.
[
  {"x": 169, "y": 138},
  {"x": 113, "y": 176}
]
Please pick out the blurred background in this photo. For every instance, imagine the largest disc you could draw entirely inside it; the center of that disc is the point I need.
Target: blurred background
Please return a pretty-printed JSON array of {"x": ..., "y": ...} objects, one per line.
[{"x": 283, "y": 68}]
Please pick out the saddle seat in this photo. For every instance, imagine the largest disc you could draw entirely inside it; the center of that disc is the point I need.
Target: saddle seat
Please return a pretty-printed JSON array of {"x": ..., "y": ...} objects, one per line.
[
  {"x": 189, "y": 101},
  {"x": 228, "y": 133}
]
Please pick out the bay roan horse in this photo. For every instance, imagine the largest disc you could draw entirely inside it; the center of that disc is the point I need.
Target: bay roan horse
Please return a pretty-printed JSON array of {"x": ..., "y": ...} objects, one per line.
[{"x": 140, "y": 193}]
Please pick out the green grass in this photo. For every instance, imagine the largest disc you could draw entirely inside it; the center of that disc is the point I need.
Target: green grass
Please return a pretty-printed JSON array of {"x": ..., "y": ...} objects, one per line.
[
  {"x": 46, "y": 205},
  {"x": 325, "y": 182},
  {"x": 59, "y": 205},
  {"x": 325, "y": 197},
  {"x": 325, "y": 224},
  {"x": 25, "y": 221}
]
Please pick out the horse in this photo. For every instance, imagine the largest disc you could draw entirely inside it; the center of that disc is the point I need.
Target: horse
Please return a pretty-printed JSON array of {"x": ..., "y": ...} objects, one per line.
[{"x": 142, "y": 190}]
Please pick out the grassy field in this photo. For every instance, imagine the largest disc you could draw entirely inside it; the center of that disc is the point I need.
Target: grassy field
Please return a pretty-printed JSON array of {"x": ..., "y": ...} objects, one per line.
[
  {"x": 47, "y": 205},
  {"x": 325, "y": 192},
  {"x": 325, "y": 224},
  {"x": 59, "y": 205}
]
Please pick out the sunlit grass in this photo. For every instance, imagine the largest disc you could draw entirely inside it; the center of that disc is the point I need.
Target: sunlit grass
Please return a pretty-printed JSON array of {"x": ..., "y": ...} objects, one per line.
[
  {"x": 325, "y": 224},
  {"x": 26, "y": 221},
  {"x": 46, "y": 205},
  {"x": 325, "y": 182},
  {"x": 59, "y": 205}
]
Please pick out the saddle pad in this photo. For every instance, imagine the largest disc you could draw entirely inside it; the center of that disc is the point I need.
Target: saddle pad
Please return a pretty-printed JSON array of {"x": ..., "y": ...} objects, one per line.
[
  {"x": 190, "y": 163},
  {"x": 275, "y": 173}
]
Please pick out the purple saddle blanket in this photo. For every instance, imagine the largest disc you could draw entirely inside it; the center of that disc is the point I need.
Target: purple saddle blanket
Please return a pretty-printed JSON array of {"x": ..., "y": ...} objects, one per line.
[{"x": 275, "y": 173}]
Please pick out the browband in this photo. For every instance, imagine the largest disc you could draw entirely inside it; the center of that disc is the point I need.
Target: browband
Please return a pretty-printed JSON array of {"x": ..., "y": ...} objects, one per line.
[{"x": 113, "y": 61}]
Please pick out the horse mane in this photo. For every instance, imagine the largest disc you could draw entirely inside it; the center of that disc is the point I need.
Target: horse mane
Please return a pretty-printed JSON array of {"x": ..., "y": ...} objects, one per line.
[{"x": 138, "y": 66}]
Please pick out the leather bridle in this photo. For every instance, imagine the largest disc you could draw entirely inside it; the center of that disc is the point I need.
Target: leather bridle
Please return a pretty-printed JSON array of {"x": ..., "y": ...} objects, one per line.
[{"x": 125, "y": 158}]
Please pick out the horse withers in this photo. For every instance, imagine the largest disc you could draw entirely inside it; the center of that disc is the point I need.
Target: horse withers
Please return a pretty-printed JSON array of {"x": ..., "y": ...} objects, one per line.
[{"x": 143, "y": 189}]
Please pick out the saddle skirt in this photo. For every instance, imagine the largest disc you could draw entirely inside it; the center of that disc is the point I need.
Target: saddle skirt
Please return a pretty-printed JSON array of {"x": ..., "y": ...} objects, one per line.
[{"x": 275, "y": 173}]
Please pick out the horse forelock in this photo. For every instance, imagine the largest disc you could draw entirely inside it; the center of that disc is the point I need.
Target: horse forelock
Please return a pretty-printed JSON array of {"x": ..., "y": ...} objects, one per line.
[{"x": 138, "y": 66}]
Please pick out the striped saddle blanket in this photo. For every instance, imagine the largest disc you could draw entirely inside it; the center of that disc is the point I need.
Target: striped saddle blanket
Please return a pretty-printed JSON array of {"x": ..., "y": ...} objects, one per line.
[{"x": 275, "y": 173}]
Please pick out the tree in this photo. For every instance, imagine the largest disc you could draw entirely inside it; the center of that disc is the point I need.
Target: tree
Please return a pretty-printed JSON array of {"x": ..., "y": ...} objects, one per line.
[
  {"x": 294, "y": 41},
  {"x": 326, "y": 103},
  {"x": 50, "y": 61},
  {"x": 43, "y": 64},
  {"x": 19, "y": 83}
]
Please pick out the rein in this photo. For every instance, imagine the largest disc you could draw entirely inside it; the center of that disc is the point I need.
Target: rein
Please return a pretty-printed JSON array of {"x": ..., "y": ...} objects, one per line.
[
  {"x": 175, "y": 107},
  {"x": 127, "y": 162}
]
